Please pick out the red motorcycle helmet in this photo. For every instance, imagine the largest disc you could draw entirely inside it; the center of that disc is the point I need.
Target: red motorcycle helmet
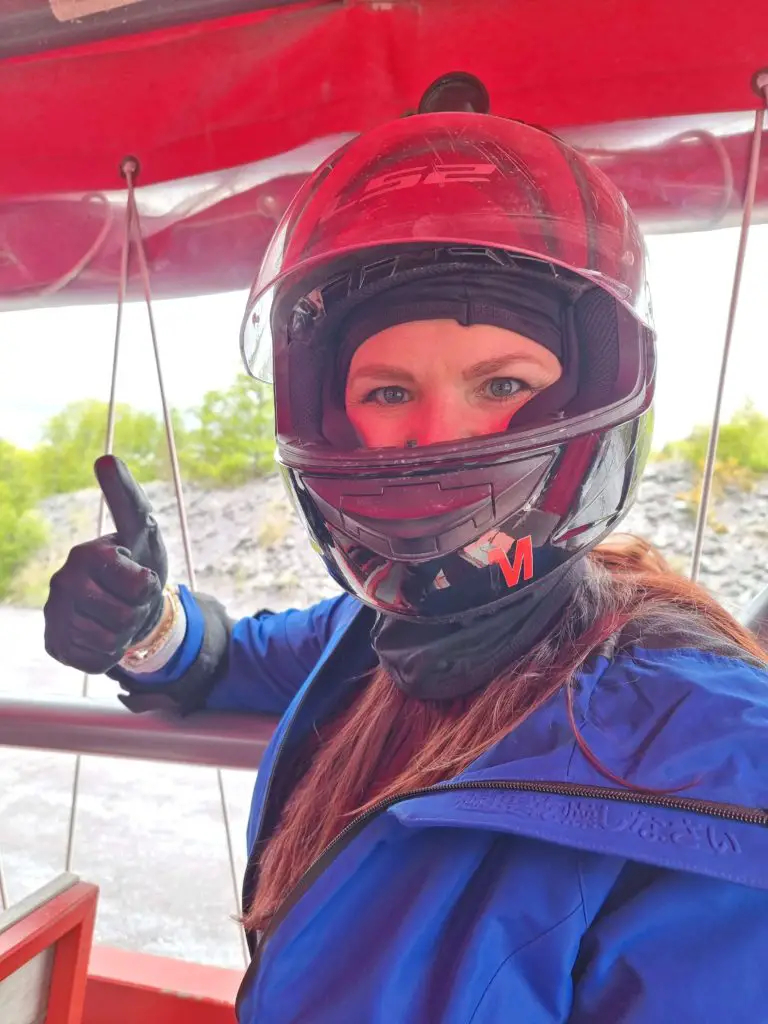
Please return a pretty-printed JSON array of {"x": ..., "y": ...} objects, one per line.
[{"x": 390, "y": 221}]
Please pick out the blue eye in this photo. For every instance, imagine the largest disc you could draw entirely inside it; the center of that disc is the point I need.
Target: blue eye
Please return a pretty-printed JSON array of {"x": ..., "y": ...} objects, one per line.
[
  {"x": 389, "y": 395},
  {"x": 502, "y": 387}
]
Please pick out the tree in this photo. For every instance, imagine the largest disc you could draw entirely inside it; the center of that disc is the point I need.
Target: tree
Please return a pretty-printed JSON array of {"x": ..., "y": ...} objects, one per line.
[
  {"x": 74, "y": 438},
  {"x": 230, "y": 438},
  {"x": 22, "y": 533},
  {"x": 19, "y": 487}
]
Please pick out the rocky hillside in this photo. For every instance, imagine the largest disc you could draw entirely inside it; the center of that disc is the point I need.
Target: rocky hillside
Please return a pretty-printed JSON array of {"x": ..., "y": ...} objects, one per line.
[{"x": 251, "y": 552}]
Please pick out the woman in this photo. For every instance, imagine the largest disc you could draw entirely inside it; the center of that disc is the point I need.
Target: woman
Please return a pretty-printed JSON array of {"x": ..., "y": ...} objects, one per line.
[{"x": 518, "y": 777}]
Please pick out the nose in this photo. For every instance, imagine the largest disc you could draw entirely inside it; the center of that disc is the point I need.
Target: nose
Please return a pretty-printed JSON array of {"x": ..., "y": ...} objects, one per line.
[
  {"x": 444, "y": 419},
  {"x": 452, "y": 418}
]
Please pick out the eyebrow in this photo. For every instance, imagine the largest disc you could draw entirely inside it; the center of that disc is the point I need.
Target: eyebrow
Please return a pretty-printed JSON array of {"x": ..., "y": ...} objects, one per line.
[
  {"x": 383, "y": 370},
  {"x": 487, "y": 366},
  {"x": 481, "y": 369}
]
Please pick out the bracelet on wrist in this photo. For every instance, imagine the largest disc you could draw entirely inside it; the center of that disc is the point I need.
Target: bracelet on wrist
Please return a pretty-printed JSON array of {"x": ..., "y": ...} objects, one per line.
[{"x": 156, "y": 649}]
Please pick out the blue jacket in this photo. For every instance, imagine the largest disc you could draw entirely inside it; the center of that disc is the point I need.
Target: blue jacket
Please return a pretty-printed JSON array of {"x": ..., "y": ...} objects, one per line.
[{"x": 512, "y": 893}]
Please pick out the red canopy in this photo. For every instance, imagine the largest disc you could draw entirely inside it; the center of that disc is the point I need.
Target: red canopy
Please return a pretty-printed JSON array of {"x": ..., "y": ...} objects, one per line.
[{"x": 257, "y": 87}]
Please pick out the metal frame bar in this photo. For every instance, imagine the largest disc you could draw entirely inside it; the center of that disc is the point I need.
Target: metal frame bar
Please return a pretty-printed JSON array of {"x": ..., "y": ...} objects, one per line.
[
  {"x": 207, "y": 738},
  {"x": 215, "y": 739}
]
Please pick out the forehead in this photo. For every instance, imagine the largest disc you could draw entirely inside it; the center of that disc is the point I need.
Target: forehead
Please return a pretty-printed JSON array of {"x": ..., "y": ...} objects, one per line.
[{"x": 444, "y": 339}]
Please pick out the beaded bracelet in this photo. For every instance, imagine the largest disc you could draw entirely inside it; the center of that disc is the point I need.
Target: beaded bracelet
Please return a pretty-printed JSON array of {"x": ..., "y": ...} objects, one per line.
[{"x": 144, "y": 659}]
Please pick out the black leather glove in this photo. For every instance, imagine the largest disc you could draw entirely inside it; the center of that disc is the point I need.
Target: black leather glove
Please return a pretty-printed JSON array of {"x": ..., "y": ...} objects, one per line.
[{"x": 108, "y": 595}]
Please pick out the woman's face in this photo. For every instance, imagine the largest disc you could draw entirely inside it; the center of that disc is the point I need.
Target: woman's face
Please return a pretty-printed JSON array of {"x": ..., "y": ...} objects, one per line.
[{"x": 435, "y": 380}]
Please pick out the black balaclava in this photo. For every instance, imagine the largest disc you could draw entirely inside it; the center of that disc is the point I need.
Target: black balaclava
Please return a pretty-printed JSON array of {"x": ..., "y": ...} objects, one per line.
[
  {"x": 441, "y": 661},
  {"x": 489, "y": 297}
]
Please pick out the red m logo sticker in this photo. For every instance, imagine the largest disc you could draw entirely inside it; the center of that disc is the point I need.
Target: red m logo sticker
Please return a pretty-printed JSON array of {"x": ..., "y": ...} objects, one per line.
[{"x": 522, "y": 561}]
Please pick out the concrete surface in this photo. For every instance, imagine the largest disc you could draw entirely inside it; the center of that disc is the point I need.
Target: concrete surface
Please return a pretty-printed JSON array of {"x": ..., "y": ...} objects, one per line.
[{"x": 151, "y": 835}]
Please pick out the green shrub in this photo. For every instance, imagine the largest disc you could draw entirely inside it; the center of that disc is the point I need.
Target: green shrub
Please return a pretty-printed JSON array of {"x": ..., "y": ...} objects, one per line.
[
  {"x": 22, "y": 532},
  {"x": 18, "y": 478},
  {"x": 742, "y": 444},
  {"x": 226, "y": 441},
  {"x": 230, "y": 438},
  {"x": 22, "y": 535},
  {"x": 742, "y": 455},
  {"x": 74, "y": 438}
]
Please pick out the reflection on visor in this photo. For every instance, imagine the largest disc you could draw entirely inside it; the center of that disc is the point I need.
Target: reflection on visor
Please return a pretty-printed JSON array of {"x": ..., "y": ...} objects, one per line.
[
  {"x": 440, "y": 584},
  {"x": 256, "y": 346}
]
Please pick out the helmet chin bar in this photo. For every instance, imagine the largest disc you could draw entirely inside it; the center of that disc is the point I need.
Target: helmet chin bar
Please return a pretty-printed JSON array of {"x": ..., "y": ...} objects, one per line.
[
  {"x": 419, "y": 518},
  {"x": 467, "y": 542}
]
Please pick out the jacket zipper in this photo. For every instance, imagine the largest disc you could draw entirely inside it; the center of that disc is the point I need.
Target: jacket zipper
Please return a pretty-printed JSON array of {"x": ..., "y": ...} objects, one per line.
[
  {"x": 724, "y": 812},
  {"x": 709, "y": 808}
]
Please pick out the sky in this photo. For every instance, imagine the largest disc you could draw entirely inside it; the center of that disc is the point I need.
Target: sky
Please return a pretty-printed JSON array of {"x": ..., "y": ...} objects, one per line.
[{"x": 50, "y": 357}]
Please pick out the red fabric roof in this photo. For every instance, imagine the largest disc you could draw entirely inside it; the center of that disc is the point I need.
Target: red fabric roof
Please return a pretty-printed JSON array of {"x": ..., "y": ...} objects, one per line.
[{"x": 200, "y": 97}]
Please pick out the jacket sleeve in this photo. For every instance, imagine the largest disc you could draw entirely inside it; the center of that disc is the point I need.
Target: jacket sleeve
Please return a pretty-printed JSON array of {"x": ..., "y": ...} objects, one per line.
[
  {"x": 255, "y": 664},
  {"x": 668, "y": 946}
]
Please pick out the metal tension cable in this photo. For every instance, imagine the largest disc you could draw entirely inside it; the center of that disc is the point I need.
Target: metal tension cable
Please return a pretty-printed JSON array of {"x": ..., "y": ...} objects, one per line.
[
  {"x": 761, "y": 86},
  {"x": 129, "y": 169}
]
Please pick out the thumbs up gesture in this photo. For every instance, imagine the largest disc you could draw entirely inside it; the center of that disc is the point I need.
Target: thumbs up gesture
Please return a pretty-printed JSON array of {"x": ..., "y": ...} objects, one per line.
[{"x": 108, "y": 595}]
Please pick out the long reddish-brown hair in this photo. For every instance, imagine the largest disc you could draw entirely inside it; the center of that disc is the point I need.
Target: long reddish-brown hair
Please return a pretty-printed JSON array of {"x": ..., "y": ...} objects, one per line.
[{"x": 385, "y": 743}]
